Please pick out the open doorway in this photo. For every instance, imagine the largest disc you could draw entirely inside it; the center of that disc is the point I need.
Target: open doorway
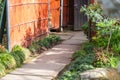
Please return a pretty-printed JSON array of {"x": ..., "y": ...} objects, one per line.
[
  {"x": 68, "y": 14},
  {"x": 79, "y": 18},
  {"x": 72, "y": 18},
  {"x": 71, "y": 14}
]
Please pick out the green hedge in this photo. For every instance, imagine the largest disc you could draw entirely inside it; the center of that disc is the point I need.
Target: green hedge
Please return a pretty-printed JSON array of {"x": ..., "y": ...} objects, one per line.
[
  {"x": 8, "y": 61},
  {"x": 23, "y": 53},
  {"x": 49, "y": 41},
  {"x": 45, "y": 43}
]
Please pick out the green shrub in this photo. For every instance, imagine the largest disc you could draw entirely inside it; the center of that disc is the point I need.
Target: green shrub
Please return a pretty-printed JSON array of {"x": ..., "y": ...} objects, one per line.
[
  {"x": 34, "y": 46},
  {"x": 55, "y": 38},
  {"x": 69, "y": 75},
  {"x": 113, "y": 61},
  {"x": 88, "y": 47},
  {"x": 44, "y": 43},
  {"x": 17, "y": 59},
  {"x": 23, "y": 53},
  {"x": 8, "y": 61},
  {"x": 2, "y": 70},
  {"x": 20, "y": 54},
  {"x": 100, "y": 42},
  {"x": 17, "y": 48},
  {"x": 27, "y": 53},
  {"x": 115, "y": 41},
  {"x": 85, "y": 28},
  {"x": 48, "y": 41},
  {"x": 79, "y": 53}
]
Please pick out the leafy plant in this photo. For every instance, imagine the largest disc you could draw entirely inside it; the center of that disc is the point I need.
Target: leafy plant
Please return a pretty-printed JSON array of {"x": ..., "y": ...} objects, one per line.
[
  {"x": 26, "y": 52},
  {"x": 34, "y": 47},
  {"x": 23, "y": 53},
  {"x": 88, "y": 47},
  {"x": 48, "y": 41},
  {"x": 78, "y": 53},
  {"x": 85, "y": 28},
  {"x": 17, "y": 48},
  {"x": 115, "y": 40},
  {"x": 114, "y": 61},
  {"x": 44, "y": 43},
  {"x": 18, "y": 60},
  {"x": 8, "y": 61},
  {"x": 93, "y": 11},
  {"x": 2, "y": 70}
]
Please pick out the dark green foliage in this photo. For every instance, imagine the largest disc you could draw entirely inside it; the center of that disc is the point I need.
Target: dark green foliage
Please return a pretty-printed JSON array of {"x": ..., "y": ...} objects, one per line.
[
  {"x": 85, "y": 28},
  {"x": 79, "y": 65},
  {"x": 44, "y": 43},
  {"x": 115, "y": 41},
  {"x": 68, "y": 75},
  {"x": 101, "y": 42},
  {"x": 8, "y": 61},
  {"x": 88, "y": 47},
  {"x": 34, "y": 47},
  {"x": 17, "y": 59},
  {"x": 49, "y": 41},
  {"x": 21, "y": 55},
  {"x": 78, "y": 54},
  {"x": 54, "y": 38}
]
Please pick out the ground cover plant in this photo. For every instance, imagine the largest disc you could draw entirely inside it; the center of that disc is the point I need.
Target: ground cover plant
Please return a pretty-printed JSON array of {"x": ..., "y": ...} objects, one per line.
[{"x": 44, "y": 43}]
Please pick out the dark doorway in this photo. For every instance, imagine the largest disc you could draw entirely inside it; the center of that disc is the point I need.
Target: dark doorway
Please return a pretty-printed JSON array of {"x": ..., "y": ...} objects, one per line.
[
  {"x": 71, "y": 14},
  {"x": 79, "y": 18},
  {"x": 72, "y": 17}
]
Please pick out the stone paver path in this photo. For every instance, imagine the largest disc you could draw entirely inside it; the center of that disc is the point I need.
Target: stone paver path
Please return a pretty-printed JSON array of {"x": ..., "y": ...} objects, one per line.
[{"x": 48, "y": 65}]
